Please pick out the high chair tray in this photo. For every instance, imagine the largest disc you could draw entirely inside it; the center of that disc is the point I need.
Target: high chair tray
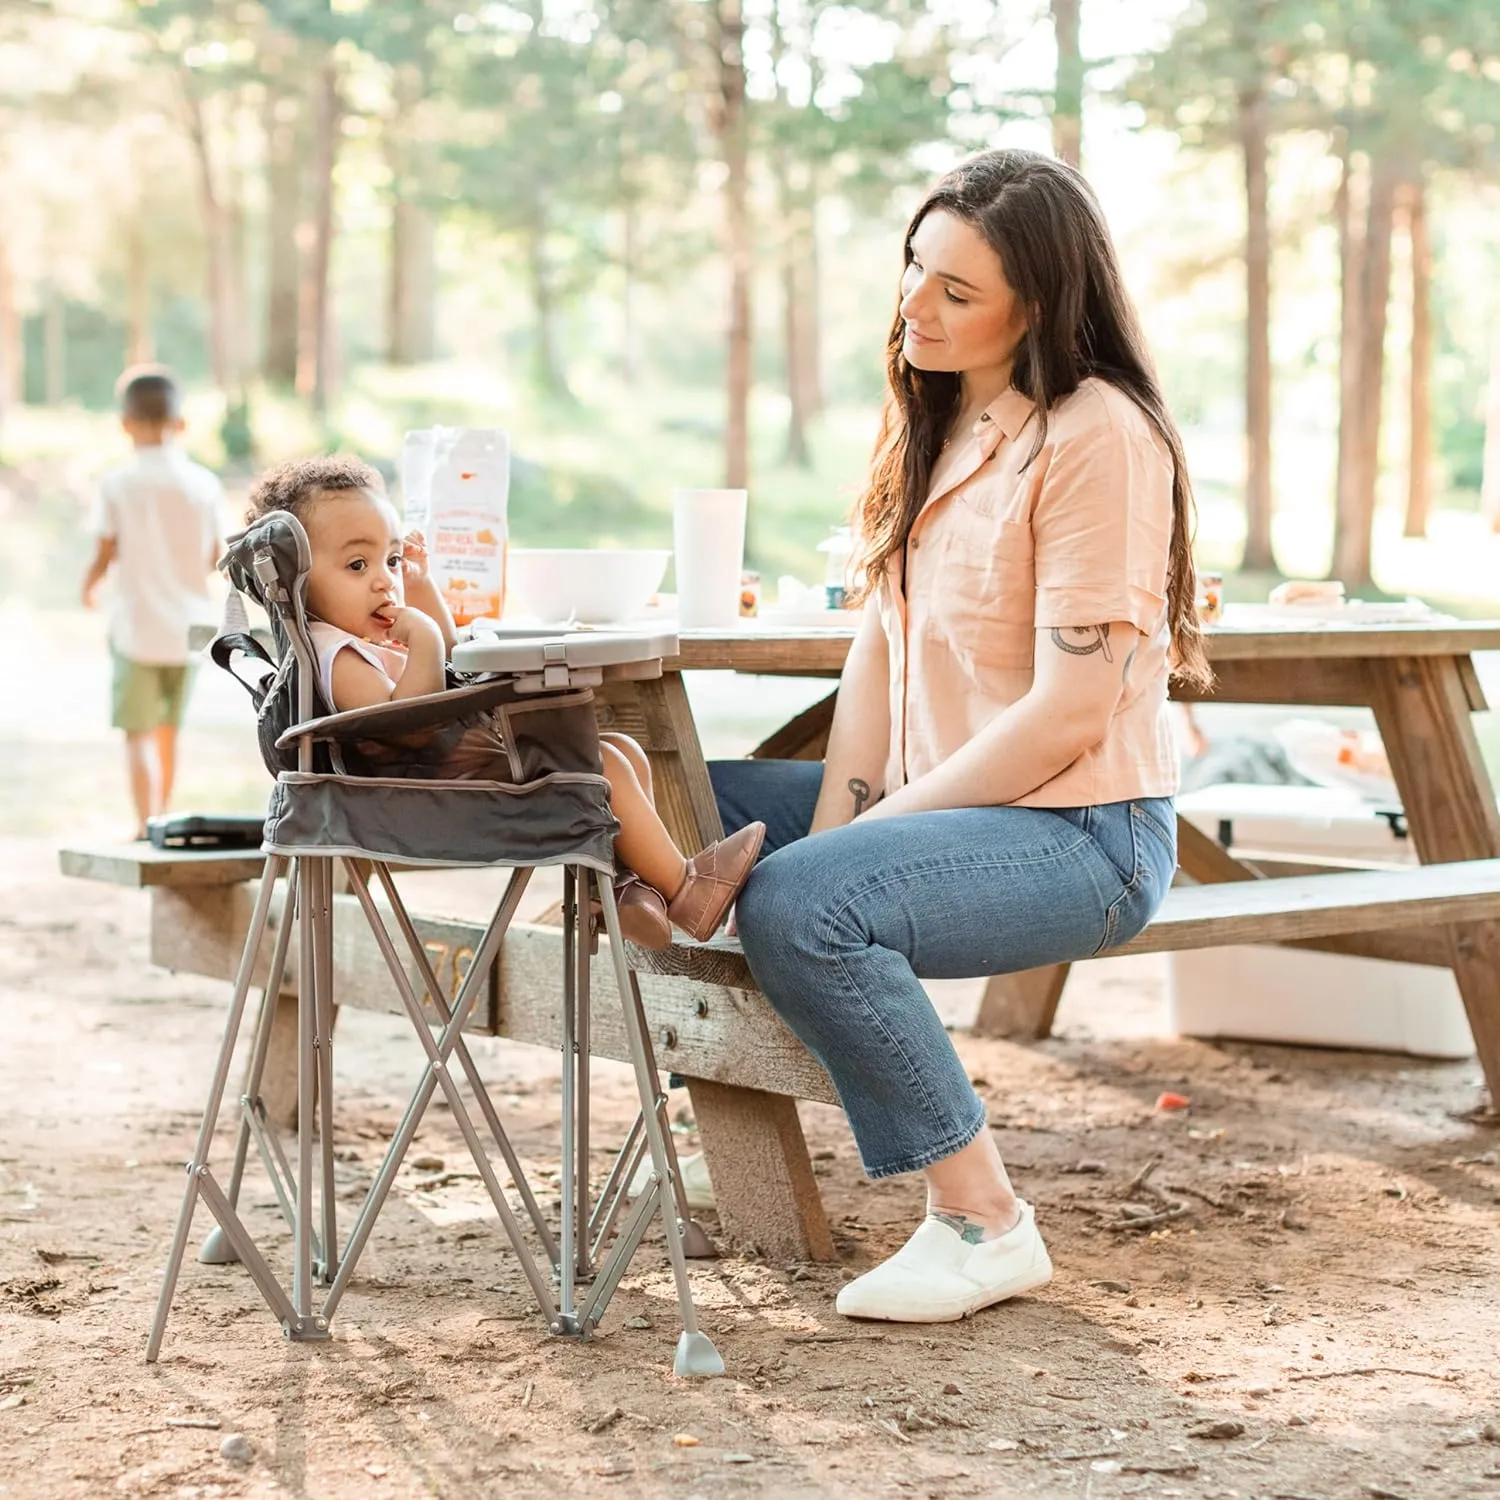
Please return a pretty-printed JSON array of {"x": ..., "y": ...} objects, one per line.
[{"x": 577, "y": 649}]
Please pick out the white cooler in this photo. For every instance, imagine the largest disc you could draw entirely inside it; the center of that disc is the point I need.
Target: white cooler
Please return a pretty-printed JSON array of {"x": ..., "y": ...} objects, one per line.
[{"x": 1293, "y": 994}]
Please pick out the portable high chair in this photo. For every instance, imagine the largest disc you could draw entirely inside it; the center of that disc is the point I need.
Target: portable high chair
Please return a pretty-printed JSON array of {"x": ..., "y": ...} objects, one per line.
[{"x": 365, "y": 790}]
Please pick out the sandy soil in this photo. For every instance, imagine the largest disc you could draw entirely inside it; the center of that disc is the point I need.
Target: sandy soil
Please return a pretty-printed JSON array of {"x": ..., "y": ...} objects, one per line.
[
  {"x": 1321, "y": 1321},
  {"x": 1328, "y": 1294}
]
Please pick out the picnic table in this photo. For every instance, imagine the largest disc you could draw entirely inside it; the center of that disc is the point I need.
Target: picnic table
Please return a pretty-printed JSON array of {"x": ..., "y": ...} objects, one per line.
[{"x": 745, "y": 1072}]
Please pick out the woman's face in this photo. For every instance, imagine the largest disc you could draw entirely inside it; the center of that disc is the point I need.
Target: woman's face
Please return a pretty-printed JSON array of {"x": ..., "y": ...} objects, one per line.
[{"x": 960, "y": 312}]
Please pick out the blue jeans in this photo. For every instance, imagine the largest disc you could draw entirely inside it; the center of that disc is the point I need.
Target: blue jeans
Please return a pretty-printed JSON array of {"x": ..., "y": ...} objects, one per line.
[{"x": 839, "y": 929}]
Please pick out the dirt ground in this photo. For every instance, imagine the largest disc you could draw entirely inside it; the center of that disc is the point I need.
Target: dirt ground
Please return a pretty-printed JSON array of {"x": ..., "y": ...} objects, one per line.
[{"x": 1320, "y": 1322}]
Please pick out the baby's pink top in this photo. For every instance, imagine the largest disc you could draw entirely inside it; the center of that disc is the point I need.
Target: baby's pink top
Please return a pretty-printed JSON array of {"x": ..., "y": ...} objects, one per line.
[{"x": 329, "y": 640}]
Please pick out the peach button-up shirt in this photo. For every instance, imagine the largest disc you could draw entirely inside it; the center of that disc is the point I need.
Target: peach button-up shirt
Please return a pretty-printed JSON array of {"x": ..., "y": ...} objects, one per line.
[{"x": 1080, "y": 538}]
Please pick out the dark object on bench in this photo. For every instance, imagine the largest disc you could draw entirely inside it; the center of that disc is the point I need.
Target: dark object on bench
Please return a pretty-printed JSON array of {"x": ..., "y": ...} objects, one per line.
[{"x": 207, "y": 831}]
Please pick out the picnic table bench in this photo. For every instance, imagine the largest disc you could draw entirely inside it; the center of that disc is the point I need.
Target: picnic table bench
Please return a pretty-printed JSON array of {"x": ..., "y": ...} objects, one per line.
[{"x": 744, "y": 1070}]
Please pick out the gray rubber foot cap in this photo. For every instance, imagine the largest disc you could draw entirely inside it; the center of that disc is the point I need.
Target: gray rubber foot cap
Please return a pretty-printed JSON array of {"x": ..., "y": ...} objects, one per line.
[
  {"x": 696, "y": 1356},
  {"x": 696, "y": 1244},
  {"x": 217, "y": 1251}
]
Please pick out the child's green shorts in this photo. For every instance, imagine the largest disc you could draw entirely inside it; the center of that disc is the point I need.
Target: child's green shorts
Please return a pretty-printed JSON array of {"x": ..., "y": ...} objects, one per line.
[{"x": 146, "y": 697}]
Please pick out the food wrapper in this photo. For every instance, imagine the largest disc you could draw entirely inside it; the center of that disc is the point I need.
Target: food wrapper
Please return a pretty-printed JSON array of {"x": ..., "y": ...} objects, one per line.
[{"x": 455, "y": 482}]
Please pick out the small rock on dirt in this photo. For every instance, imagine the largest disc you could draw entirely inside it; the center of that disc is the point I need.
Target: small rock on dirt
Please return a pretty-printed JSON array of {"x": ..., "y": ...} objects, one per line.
[
  {"x": 427, "y": 1164},
  {"x": 1465, "y": 1437},
  {"x": 639, "y": 1322},
  {"x": 1220, "y": 1431},
  {"x": 236, "y": 1448},
  {"x": 953, "y": 1390},
  {"x": 739, "y": 1458}
]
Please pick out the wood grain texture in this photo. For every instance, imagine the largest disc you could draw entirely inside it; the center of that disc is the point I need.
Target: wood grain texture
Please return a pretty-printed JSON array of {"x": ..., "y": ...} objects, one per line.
[
  {"x": 812, "y": 652},
  {"x": 1023, "y": 1005},
  {"x": 143, "y": 866},
  {"x": 764, "y": 1187},
  {"x": 1422, "y": 707},
  {"x": 1205, "y": 859},
  {"x": 802, "y": 738}
]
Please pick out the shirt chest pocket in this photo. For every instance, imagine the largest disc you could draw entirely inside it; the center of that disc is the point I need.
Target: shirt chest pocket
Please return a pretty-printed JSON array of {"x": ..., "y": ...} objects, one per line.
[{"x": 981, "y": 588}]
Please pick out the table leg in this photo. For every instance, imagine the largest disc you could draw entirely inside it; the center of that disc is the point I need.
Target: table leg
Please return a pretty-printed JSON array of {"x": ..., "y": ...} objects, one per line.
[
  {"x": 1021, "y": 1006},
  {"x": 763, "y": 1180},
  {"x": 1422, "y": 705},
  {"x": 757, "y": 1157}
]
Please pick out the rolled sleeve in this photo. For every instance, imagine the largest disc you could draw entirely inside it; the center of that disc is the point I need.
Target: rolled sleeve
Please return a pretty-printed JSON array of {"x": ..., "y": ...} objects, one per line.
[{"x": 1102, "y": 528}]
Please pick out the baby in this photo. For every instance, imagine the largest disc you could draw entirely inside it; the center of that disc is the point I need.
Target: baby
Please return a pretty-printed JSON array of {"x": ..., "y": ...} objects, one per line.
[{"x": 381, "y": 631}]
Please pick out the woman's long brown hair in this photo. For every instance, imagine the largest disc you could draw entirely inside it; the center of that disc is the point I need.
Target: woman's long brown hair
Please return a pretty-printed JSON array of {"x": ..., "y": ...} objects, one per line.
[{"x": 1042, "y": 219}]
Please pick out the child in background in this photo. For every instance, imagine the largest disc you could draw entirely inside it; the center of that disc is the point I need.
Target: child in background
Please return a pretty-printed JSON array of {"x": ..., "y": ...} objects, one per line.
[
  {"x": 158, "y": 530},
  {"x": 382, "y": 632}
]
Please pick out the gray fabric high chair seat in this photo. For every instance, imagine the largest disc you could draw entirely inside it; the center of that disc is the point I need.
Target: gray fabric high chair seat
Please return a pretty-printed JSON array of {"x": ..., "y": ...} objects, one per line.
[{"x": 500, "y": 771}]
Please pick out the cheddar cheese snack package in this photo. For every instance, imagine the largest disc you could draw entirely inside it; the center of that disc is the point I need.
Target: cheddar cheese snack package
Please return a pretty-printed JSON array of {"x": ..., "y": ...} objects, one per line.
[{"x": 456, "y": 485}]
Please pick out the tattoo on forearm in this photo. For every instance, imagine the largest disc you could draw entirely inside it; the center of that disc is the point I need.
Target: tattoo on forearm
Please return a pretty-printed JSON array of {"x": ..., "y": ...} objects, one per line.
[
  {"x": 861, "y": 793},
  {"x": 1082, "y": 640}
]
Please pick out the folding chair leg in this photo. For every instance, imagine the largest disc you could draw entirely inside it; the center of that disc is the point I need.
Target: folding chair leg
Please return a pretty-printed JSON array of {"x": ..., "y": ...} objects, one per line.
[
  {"x": 309, "y": 898},
  {"x": 198, "y": 1167},
  {"x": 567, "y": 1266},
  {"x": 436, "y": 1075},
  {"x": 696, "y": 1354},
  {"x": 466, "y": 1061},
  {"x": 323, "y": 1042},
  {"x": 216, "y": 1249}
]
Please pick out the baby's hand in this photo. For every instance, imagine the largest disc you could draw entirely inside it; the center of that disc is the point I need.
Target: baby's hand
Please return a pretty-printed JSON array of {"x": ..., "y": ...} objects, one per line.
[
  {"x": 414, "y": 554},
  {"x": 408, "y": 624}
]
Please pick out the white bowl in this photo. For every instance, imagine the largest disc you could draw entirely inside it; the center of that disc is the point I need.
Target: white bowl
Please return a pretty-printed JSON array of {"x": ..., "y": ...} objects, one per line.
[{"x": 593, "y": 585}]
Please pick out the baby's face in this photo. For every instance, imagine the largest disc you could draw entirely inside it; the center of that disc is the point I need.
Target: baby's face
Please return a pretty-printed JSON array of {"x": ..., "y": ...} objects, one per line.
[{"x": 356, "y": 580}]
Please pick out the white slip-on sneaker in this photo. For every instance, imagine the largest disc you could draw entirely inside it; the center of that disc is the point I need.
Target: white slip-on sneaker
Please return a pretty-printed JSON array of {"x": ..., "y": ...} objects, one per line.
[
  {"x": 696, "y": 1187},
  {"x": 938, "y": 1277}
]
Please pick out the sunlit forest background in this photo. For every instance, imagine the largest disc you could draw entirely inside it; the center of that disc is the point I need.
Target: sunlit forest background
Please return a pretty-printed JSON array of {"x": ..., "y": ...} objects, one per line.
[{"x": 658, "y": 241}]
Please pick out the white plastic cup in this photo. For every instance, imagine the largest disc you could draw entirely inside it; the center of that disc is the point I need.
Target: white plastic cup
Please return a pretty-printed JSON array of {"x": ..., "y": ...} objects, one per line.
[{"x": 708, "y": 543}]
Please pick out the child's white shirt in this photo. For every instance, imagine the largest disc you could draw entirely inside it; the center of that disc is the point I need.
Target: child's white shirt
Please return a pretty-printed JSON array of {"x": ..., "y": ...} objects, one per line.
[
  {"x": 329, "y": 640},
  {"x": 165, "y": 515}
]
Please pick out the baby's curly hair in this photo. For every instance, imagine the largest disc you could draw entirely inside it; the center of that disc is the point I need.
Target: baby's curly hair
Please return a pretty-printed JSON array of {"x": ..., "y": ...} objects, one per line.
[{"x": 293, "y": 486}]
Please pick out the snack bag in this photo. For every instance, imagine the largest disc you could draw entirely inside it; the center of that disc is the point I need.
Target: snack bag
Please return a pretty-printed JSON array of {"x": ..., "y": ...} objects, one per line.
[{"x": 456, "y": 485}]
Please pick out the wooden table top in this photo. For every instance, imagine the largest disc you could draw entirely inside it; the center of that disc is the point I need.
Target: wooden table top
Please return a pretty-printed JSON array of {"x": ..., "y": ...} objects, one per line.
[{"x": 813, "y": 650}]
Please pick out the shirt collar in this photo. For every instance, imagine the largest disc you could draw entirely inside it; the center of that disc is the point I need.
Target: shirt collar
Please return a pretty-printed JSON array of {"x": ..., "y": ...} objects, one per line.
[{"x": 1008, "y": 413}]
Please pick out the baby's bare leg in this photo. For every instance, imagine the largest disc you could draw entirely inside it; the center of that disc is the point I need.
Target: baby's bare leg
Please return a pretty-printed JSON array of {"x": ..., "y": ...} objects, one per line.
[
  {"x": 643, "y": 842},
  {"x": 639, "y": 763}
]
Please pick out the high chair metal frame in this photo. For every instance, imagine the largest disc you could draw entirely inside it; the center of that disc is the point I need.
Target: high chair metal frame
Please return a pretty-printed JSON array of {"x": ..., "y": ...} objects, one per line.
[{"x": 573, "y": 1273}]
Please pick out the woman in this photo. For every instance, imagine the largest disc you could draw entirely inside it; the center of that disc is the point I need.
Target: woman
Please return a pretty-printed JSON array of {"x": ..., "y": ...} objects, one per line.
[{"x": 999, "y": 774}]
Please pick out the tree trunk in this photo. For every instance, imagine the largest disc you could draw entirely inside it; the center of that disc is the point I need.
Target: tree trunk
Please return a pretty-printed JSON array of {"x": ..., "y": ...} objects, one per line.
[
  {"x": 283, "y": 213},
  {"x": 237, "y": 257},
  {"x": 547, "y": 370},
  {"x": 797, "y": 451},
  {"x": 1258, "y": 491},
  {"x": 215, "y": 237},
  {"x": 1419, "y": 391},
  {"x": 812, "y": 304},
  {"x": 1352, "y": 536},
  {"x": 1349, "y": 208},
  {"x": 54, "y": 349},
  {"x": 410, "y": 319},
  {"x": 731, "y": 122},
  {"x": 140, "y": 348},
  {"x": 1067, "y": 99},
  {"x": 629, "y": 229},
  {"x": 315, "y": 344},
  {"x": 12, "y": 347},
  {"x": 1489, "y": 485}
]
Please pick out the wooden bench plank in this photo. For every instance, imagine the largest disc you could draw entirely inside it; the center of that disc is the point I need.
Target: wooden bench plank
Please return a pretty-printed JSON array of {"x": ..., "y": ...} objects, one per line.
[
  {"x": 1242, "y": 911},
  {"x": 141, "y": 865}
]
